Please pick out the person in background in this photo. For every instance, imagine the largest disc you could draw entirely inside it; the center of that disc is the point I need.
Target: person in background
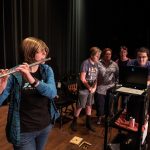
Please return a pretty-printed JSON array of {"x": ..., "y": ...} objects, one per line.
[
  {"x": 124, "y": 59},
  {"x": 142, "y": 60},
  {"x": 122, "y": 62},
  {"x": 107, "y": 77},
  {"x": 88, "y": 82},
  {"x": 32, "y": 111}
]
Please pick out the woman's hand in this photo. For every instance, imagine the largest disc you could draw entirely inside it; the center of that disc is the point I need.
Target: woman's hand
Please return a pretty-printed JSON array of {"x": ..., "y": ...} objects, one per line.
[
  {"x": 92, "y": 89},
  {"x": 3, "y": 80},
  {"x": 25, "y": 70}
]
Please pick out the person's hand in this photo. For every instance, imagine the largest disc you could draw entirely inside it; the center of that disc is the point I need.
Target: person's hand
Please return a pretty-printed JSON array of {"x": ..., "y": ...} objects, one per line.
[
  {"x": 24, "y": 69},
  {"x": 3, "y": 80},
  {"x": 92, "y": 90},
  {"x": 148, "y": 83}
]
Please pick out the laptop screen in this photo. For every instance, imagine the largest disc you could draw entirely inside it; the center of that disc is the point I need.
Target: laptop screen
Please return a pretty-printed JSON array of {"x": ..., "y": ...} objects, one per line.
[{"x": 133, "y": 77}]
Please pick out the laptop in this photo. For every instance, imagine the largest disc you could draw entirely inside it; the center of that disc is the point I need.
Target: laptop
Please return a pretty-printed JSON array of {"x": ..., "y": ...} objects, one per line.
[{"x": 133, "y": 79}]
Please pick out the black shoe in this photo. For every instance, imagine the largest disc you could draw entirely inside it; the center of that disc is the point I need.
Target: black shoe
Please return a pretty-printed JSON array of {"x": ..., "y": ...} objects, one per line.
[
  {"x": 90, "y": 128},
  {"x": 89, "y": 124},
  {"x": 73, "y": 125}
]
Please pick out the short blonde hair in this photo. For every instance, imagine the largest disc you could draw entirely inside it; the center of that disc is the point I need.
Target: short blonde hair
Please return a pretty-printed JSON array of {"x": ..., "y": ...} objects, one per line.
[
  {"x": 30, "y": 46},
  {"x": 94, "y": 51}
]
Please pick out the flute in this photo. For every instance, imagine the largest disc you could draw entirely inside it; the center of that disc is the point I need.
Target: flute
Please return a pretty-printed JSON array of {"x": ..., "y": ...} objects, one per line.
[{"x": 12, "y": 70}]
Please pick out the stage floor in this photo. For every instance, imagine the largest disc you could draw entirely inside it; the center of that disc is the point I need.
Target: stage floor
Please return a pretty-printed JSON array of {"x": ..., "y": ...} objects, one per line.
[{"x": 59, "y": 138}]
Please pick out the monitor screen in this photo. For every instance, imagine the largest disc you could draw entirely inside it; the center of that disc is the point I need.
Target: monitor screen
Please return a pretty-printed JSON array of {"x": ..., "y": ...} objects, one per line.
[{"x": 133, "y": 76}]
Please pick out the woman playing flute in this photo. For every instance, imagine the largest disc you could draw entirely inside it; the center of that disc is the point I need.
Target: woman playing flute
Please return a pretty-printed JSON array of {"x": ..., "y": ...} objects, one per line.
[{"x": 31, "y": 111}]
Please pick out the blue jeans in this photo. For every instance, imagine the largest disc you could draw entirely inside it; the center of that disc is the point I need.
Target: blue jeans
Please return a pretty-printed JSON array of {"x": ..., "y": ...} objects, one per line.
[{"x": 34, "y": 140}]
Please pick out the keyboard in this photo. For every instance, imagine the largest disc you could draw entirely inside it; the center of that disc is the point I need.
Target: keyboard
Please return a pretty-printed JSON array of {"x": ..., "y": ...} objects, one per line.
[{"x": 130, "y": 90}]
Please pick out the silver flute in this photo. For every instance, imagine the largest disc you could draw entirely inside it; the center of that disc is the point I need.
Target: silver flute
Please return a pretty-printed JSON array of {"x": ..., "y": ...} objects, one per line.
[{"x": 12, "y": 70}]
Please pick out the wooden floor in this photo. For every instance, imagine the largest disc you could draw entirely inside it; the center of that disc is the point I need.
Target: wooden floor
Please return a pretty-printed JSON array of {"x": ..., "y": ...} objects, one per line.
[{"x": 59, "y": 138}]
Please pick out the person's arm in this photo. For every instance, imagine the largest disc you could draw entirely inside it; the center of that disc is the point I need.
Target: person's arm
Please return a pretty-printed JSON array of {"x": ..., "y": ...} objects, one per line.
[
  {"x": 3, "y": 81},
  {"x": 117, "y": 61},
  {"x": 131, "y": 62},
  {"x": 94, "y": 87},
  {"x": 148, "y": 82},
  {"x": 84, "y": 81},
  {"x": 117, "y": 74},
  {"x": 48, "y": 87},
  {"x": 5, "y": 87}
]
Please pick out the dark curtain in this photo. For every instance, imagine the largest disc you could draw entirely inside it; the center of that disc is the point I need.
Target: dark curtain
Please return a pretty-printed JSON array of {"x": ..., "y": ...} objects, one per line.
[
  {"x": 59, "y": 23},
  {"x": 70, "y": 28}
]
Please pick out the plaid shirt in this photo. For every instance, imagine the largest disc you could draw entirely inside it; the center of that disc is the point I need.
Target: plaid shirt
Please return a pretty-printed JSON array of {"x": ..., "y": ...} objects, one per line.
[{"x": 107, "y": 76}]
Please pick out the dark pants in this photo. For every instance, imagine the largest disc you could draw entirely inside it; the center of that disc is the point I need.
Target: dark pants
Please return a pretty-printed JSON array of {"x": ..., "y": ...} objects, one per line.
[
  {"x": 100, "y": 104},
  {"x": 124, "y": 101}
]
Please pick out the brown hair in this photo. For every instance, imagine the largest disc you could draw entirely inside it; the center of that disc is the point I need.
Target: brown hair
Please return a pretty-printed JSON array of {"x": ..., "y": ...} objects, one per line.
[
  {"x": 143, "y": 50},
  {"x": 105, "y": 50},
  {"x": 30, "y": 46},
  {"x": 124, "y": 48}
]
